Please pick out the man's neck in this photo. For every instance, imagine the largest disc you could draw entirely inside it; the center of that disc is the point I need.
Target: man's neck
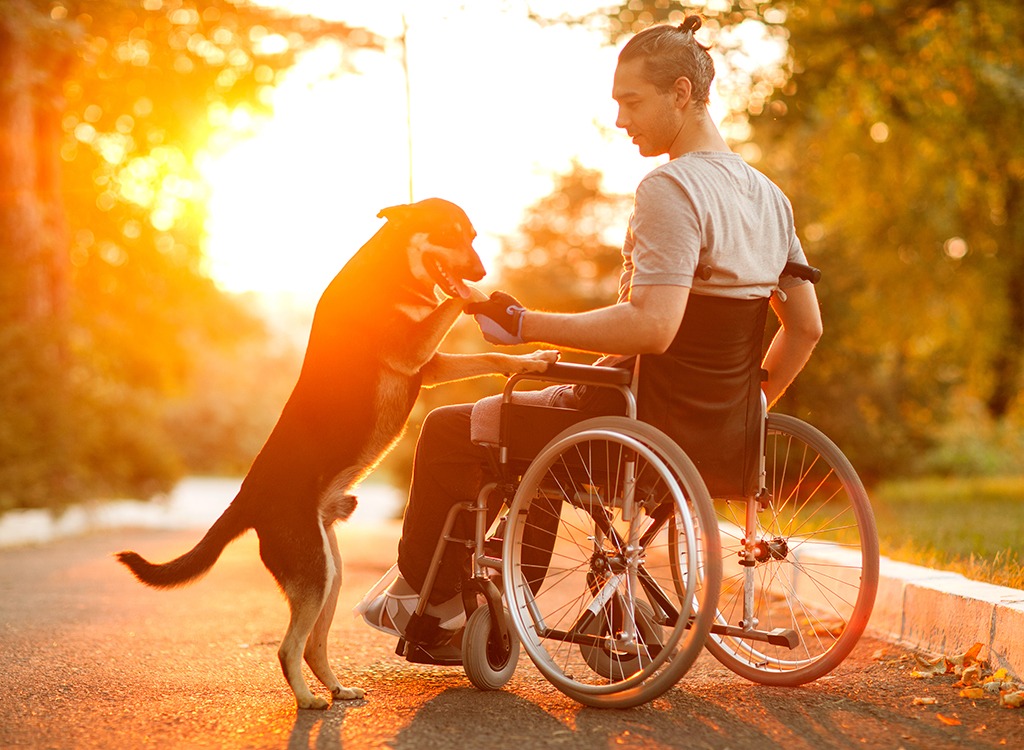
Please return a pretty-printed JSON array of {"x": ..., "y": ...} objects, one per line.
[{"x": 698, "y": 134}]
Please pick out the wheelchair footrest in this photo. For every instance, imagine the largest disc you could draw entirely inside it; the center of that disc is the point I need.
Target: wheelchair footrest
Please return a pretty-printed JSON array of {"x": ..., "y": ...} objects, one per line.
[
  {"x": 785, "y": 637},
  {"x": 444, "y": 655}
]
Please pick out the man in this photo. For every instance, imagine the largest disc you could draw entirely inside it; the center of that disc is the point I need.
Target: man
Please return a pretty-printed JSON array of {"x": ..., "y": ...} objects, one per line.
[{"x": 708, "y": 236}]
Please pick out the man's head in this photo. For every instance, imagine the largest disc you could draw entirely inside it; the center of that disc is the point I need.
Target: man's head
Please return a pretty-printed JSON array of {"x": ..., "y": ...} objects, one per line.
[{"x": 663, "y": 78}]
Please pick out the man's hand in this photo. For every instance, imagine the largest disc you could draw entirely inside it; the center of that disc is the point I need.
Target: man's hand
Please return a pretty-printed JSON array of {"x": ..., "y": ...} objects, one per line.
[{"x": 500, "y": 318}]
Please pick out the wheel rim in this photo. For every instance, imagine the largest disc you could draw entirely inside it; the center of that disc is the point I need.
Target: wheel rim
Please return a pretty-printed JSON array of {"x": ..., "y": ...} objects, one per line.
[
  {"x": 816, "y": 559},
  {"x": 592, "y": 566}
]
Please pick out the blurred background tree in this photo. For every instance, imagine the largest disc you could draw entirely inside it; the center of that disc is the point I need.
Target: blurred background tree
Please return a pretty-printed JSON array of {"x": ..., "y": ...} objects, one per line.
[{"x": 117, "y": 350}]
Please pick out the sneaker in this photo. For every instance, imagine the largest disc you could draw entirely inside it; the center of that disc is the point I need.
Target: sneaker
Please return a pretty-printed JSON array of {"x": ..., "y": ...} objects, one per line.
[{"x": 389, "y": 611}]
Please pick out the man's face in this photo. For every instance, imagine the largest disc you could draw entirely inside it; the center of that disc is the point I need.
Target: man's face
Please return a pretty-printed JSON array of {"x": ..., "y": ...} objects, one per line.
[{"x": 649, "y": 116}]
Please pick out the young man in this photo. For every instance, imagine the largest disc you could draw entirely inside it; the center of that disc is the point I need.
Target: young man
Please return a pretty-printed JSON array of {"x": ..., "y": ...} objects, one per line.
[{"x": 705, "y": 209}]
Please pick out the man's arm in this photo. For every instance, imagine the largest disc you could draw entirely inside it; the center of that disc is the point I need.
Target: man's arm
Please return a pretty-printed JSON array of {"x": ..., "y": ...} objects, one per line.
[
  {"x": 647, "y": 323},
  {"x": 792, "y": 346}
]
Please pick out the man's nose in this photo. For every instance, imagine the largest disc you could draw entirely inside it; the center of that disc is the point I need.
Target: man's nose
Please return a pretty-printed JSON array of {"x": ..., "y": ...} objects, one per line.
[{"x": 620, "y": 119}]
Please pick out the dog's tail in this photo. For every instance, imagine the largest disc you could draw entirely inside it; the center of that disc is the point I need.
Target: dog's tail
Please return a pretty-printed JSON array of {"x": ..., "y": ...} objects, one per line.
[{"x": 197, "y": 561}]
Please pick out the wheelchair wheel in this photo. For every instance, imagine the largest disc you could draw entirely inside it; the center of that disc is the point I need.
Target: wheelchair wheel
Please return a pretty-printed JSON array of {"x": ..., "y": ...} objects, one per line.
[
  {"x": 611, "y": 562},
  {"x": 810, "y": 573},
  {"x": 488, "y": 662},
  {"x": 618, "y": 665}
]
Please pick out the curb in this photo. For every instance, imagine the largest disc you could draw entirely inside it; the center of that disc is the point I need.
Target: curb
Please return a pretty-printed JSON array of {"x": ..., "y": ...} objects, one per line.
[{"x": 945, "y": 613}]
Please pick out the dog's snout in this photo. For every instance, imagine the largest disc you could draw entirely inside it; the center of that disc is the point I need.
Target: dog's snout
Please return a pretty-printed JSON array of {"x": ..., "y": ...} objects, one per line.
[{"x": 476, "y": 271}]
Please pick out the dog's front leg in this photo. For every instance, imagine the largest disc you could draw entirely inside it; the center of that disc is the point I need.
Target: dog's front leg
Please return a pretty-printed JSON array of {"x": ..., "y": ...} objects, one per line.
[
  {"x": 429, "y": 334},
  {"x": 445, "y": 368}
]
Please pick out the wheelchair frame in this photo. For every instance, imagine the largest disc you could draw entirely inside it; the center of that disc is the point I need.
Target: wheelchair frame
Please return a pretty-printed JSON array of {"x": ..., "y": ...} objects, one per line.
[{"x": 777, "y": 614}]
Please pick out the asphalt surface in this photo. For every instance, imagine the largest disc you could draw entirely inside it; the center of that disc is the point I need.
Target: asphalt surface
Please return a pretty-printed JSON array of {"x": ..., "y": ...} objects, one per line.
[{"x": 91, "y": 659}]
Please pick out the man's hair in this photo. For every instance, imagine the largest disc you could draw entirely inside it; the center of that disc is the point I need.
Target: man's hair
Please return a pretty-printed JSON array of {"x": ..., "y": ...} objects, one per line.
[{"x": 672, "y": 52}]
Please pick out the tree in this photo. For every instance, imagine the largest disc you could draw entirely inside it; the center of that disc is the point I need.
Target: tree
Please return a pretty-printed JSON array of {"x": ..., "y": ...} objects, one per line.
[
  {"x": 103, "y": 105},
  {"x": 892, "y": 127},
  {"x": 568, "y": 252}
]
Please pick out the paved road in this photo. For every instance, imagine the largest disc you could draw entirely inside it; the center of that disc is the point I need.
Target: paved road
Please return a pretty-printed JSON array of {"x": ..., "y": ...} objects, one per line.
[{"x": 91, "y": 659}]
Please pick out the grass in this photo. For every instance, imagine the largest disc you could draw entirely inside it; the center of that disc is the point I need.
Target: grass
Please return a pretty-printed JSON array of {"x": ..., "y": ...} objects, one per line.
[{"x": 970, "y": 526}]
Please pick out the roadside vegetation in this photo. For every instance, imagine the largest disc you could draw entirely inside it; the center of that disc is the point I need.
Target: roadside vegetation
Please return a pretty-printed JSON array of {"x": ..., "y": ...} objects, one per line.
[{"x": 973, "y": 526}]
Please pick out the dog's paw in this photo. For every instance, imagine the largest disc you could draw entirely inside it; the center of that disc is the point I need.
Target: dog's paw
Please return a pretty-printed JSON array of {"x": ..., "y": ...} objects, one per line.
[
  {"x": 313, "y": 702},
  {"x": 475, "y": 295},
  {"x": 348, "y": 693}
]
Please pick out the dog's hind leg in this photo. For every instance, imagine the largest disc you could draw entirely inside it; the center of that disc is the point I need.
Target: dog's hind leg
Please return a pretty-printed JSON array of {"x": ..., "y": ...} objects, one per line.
[
  {"x": 303, "y": 577},
  {"x": 316, "y": 646}
]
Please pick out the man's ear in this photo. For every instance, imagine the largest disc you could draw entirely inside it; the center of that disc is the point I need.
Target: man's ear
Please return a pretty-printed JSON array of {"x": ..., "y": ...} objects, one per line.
[
  {"x": 395, "y": 214},
  {"x": 684, "y": 91}
]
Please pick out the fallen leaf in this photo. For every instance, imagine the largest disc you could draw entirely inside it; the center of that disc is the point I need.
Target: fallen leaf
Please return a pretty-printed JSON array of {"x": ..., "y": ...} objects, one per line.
[
  {"x": 1012, "y": 700},
  {"x": 921, "y": 675},
  {"x": 972, "y": 692},
  {"x": 878, "y": 655},
  {"x": 925, "y": 701},
  {"x": 951, "y": 721},
  {"x": 999, "y": 675},
  {"x": 939, "y": 665},
  {"x": 993, "y": 687},
  {"x": 970, "y": 675},
  {"x": 970, "y": 656}
]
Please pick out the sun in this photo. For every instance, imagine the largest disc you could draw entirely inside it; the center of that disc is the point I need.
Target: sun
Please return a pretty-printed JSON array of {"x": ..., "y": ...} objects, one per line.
[
  {"x": 289, "y": 199},
  {"x": 298, "y": 193}
]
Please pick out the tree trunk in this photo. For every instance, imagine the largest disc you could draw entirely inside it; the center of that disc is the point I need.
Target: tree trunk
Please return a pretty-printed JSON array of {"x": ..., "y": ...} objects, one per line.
[
  {"x": 1006, "y": 365},
  {"x": 33, "y": 232},
  {"x": 36, "y": 442}
]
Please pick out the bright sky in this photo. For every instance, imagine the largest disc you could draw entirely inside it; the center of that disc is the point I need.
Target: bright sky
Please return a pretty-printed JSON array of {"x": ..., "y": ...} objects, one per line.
[{"x": 499, "y": 105}]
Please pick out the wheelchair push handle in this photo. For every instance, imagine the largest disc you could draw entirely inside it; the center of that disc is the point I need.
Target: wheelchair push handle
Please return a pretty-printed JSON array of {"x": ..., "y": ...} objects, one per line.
[{"x": 802, "y": 271}]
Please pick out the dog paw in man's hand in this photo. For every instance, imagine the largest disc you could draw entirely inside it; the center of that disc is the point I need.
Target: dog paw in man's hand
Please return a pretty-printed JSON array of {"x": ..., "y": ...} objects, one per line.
[
  {"x": 537, "y": 361},
  {"x": 500, "y": 318},
  {"x": 475, "y": 295}
]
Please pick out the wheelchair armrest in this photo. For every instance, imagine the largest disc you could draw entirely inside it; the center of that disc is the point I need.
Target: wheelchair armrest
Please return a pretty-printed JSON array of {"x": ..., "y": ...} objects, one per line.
[{"x": 567, "y": 372}]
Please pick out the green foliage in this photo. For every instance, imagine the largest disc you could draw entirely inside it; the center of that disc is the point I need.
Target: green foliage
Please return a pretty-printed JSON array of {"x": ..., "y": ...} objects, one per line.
[
  {"x": 121, "y": 365},
  {"x": 891, "y": 124},
  {"x": 567, "y": 254}
]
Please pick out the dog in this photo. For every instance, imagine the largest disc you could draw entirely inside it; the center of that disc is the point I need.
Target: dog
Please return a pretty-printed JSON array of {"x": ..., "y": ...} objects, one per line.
[{"x": 373, "y": 345}]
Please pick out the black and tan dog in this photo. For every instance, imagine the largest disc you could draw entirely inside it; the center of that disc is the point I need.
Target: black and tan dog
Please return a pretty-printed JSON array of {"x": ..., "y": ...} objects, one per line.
[{"x": 372, "y": 346}]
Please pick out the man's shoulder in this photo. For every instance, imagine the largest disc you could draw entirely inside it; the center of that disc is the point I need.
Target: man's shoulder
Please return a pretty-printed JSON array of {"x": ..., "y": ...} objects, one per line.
[{"x": 697, "y": 166}]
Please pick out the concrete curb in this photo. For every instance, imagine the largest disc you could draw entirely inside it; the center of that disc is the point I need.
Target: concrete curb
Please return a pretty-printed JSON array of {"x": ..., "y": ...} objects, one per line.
[{"x": 945, "y": 613}]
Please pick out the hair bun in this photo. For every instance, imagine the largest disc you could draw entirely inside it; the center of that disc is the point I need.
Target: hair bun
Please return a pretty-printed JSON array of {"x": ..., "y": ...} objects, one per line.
[{"x": 691, "y": 24}]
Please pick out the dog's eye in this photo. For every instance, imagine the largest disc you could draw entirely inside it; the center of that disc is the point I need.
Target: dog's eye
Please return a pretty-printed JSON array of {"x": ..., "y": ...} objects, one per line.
[{"x": 445, "y": 237}]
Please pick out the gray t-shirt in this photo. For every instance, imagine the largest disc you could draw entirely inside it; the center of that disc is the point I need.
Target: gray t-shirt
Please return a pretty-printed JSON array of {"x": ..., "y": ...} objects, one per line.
[{"x": 710, "y": 208}]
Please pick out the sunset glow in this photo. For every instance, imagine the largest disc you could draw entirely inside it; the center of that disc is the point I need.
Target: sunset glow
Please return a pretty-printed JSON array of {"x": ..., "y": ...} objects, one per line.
[{"x": 498, "y": 106}]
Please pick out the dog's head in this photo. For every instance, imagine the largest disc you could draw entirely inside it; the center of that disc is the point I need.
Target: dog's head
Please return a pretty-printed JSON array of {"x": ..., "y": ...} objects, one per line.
[{"x": 440, "y": 244}]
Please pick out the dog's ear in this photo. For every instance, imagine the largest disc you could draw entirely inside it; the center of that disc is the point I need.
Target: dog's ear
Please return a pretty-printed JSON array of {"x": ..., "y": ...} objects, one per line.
[{"x": 395, "y": 214}]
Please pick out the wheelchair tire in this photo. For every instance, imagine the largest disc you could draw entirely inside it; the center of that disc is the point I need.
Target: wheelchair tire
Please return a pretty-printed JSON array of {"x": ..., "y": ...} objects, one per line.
[
  {"x": 588, "y": 579},
  {"x": 817, "y": 569},
  {"x": 486, "y": 661}
]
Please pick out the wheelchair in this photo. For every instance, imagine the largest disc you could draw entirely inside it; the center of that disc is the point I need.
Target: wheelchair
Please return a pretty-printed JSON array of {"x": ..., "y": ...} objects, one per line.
[{"x": 613, "y": 565}]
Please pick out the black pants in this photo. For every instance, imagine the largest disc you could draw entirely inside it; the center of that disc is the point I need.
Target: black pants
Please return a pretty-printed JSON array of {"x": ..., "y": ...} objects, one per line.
[{"x": 449, "y": 469}]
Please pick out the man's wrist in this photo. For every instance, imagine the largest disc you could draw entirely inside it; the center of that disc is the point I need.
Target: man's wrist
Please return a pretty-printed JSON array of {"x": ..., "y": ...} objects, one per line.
[{"x": 524, "y": 321}]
